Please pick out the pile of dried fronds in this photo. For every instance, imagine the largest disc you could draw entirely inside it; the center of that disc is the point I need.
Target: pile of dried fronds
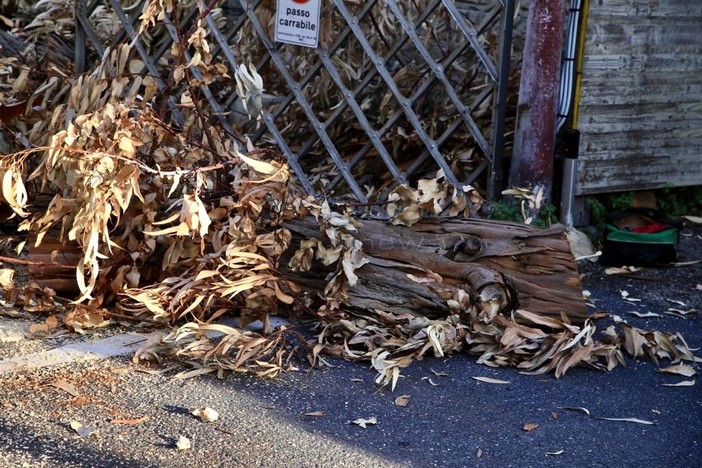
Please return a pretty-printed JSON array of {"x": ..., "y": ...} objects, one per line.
[
  {"x": 48, "y": 28},
  {"x": 178, "y": 227}
]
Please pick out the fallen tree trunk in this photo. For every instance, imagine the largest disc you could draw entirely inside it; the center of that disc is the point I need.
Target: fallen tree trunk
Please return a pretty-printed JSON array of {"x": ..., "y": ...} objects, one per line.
[{"x": 437, "y": 268}]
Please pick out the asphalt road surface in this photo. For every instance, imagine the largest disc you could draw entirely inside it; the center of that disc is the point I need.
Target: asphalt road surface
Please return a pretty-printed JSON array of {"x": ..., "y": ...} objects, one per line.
[{"x": 451, "y": 420}]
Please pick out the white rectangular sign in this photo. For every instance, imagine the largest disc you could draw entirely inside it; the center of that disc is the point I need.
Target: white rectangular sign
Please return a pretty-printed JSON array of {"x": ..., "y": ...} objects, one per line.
[{"x": 297, "y": 22}]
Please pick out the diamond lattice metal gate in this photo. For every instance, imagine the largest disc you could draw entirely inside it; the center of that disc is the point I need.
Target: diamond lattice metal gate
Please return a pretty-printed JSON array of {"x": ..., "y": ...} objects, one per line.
[{"x": 396, "y": 90}]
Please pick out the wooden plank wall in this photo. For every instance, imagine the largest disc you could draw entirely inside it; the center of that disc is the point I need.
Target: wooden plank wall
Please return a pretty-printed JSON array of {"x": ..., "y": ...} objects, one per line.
[{"x": 640, "y": 112}]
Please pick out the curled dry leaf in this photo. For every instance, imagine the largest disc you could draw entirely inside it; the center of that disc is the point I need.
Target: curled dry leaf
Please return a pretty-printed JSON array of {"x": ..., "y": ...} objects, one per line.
[
  {"x": 315, "y": 414},
  {"x": 684, "y": 383},
  {"x": 490, "y": 380},
  {"x": 364, "y": 422},
  {"x": 402, "y": 400},
  {"x": 7, "y": 279},
  {"x": 130, "y": 422},
  {"x": 558, "y": 452},
  {"x": 675, "y": 301},
  {"x": 206, "y": 414},
  {"x": 680, "y": 369},
  {"x": 644, "y": 315},
  {"x": 81, "y": 430},
  {"x": 680, "y": 313},
  {"x": 528, "y": 427},
  {"x": 626, "y": 270},
  {"x": 183, "y": 443},
  {"x": 631, "y": 420},
  {"x": 65, "y": 386},
  {"x": 576, "y": 408}
]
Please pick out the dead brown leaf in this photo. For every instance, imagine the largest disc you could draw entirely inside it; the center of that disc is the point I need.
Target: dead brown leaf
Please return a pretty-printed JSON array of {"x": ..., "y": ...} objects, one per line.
[
  {"x": 528, "y": 427},
  {"x": 680, "y": 369},
  {"x": 130, "y": 422},
  {"x": 82, "y": 430},
  {"x": 363, "y": 422},
  {"x": 206, "y": 413},
  {"x": 577, "y": 408},
  {"x": 557, "y": 452},
  {"x": 631, "y": 420},
  {"x": 183, "y": 443},
  {"x": 402, "y": 400},
  {"x": 490, "y": 380},
  {"x": 684, "y": 383},
  {"x": 65, "y": 386}
]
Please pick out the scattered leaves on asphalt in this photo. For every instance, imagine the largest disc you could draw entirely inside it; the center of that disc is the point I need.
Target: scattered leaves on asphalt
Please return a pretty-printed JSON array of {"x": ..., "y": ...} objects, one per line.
[
  {"x": 206, "y": 414},
  {"x": 81, "y": 430},
  {"x": 130, "y": 422},
  {"x": 554, "y": 415},
  {"x": 403, "y": 400},
  {"x": 684, "y": 383},
  {"x": 479, "y": 454},
  {"x": 439, "y": 374},
  {"x": 490, "y": 380},
  {"x": 65, "y": 386},
  {"x": 365, "y": 422},
  {"x": 315, "y": 414},
  {"x": 680, "y": 369},
  {"x": 528, "y": 427},
  {"x": 183, "y": 443},
  {"x": 631, "y": 420}
]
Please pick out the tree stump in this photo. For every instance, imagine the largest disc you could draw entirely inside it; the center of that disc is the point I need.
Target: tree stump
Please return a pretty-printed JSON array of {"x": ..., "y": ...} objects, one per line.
[{"x": 430, "y": 267}]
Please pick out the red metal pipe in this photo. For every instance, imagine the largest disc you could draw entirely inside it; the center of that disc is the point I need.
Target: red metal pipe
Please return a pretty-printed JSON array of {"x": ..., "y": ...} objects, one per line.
[{"x": 535, "y": 134}]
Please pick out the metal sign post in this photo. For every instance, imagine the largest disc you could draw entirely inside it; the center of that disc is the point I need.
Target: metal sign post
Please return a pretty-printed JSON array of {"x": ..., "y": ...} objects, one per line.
[{"x": 297, "y": 22}]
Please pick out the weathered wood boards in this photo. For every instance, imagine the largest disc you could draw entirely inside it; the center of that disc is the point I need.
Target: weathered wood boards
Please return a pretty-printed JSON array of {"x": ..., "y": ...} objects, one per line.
[
  {"x": 640, "y": 115},
  {"x": 500, "y": 266}
]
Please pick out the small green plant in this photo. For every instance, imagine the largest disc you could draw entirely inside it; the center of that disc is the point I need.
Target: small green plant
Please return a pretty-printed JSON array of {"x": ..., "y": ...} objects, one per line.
[
  {"x": 511, "y": 211},
  {"x": 680, "y": 201},
  {"x": 598, "y": 212},
  {"x": 672, "y": 201}
]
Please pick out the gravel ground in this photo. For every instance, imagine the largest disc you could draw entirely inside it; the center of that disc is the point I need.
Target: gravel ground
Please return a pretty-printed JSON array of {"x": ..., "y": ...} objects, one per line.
[{"x": 451, "y": 419}]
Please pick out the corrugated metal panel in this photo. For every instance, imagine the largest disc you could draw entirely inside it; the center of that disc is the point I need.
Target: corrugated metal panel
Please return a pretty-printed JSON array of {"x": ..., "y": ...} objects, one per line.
[{"x": 640, "y": 112}]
